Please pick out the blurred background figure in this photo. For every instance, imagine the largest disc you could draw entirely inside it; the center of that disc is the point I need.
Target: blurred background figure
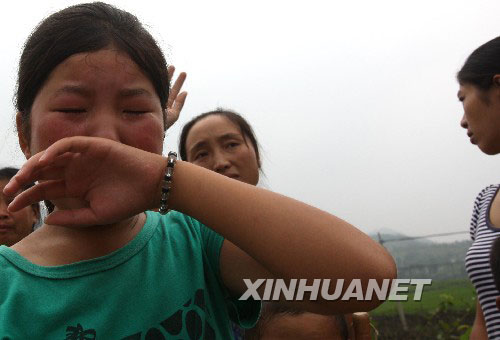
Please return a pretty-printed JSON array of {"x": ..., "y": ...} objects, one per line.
[
  {"x": 16, "y": 225},
  {"x": 223, "y": 141}
]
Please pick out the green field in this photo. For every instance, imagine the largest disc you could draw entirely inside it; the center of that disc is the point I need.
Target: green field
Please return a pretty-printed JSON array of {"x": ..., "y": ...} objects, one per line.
[{"x": 459, "y": 292}]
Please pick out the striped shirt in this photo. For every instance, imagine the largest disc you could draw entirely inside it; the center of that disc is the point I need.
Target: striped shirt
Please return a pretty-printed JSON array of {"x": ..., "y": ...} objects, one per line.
[{"x": 477, "y": 260}]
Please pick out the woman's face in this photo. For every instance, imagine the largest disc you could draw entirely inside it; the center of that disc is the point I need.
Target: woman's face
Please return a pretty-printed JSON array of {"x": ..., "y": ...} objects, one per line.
[
  {"x": 98, "y": 94},
  {"x": 481, "y": 116},
  {"x": 216, "y": 143},
  {"x": 14, "y": 226}
]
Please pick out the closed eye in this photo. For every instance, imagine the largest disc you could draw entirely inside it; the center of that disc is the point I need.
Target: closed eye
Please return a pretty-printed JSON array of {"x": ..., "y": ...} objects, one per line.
[
  {"x": 135, "y": 112},
  {"x": 71, "y": 110}
]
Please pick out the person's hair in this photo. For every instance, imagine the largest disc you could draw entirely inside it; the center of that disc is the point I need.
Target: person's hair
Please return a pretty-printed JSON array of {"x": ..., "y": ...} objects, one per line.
[
  {"x": 271, "y": 310},
  {"x": 495, "y": 262},
  {"x": 245, "y": 129},
  {"x": 8, "y": 172},
  {"x": 481, "y": 65},
  {"x": 85, "y": 28}
]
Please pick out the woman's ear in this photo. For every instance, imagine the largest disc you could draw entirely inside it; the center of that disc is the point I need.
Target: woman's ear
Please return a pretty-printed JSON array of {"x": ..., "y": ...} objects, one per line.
[{"x": 23, "y": 139}]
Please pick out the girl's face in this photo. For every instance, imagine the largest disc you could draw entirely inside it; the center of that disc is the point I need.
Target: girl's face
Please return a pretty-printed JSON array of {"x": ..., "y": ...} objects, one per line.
[
  {"x": 481, "y": 116},
  {"x": 216, "y": 143},
  {"x": 97, "y": 94},
  {"x": 14, "y": 226}
]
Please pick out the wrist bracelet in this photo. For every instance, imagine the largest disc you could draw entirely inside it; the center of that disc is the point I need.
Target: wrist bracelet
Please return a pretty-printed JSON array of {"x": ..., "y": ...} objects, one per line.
[{"x": 167, "y": 182}]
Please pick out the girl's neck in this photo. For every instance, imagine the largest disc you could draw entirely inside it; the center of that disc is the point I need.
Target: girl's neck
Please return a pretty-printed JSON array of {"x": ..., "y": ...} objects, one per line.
[{"x": 52, "y": 245}]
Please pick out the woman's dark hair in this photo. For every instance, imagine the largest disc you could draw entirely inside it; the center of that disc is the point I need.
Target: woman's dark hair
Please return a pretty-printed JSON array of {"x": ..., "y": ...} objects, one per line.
[
  {"x": 85, "y": 28},
  {"x": 481, "y": 65},
  {"x": 236, "y": 118},
  {"x": 9, "y": 172}
]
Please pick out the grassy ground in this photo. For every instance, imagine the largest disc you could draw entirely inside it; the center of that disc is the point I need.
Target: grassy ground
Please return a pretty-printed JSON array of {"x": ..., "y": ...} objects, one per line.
[
  {"x": 461, "y": 292},
  {"x": 446, "y": 311}
]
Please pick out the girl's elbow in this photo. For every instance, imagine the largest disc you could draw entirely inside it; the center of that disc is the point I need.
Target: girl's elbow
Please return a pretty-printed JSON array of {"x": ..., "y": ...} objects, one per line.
[
  {"x": 389, "y": 269},
  {"x": 384, "y": 268}
]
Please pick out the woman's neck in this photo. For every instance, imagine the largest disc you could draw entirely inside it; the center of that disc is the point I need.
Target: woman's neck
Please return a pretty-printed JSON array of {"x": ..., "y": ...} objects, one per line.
[{"x": 52, "y": 245}]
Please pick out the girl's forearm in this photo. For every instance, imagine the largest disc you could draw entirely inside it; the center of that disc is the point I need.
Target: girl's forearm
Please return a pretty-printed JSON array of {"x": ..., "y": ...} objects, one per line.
[{"x": 289, "y": 238}]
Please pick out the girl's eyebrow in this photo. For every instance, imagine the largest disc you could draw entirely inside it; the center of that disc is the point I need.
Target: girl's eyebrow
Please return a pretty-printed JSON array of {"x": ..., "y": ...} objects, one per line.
[
  {"x": 133, "y": 92},
  {"x": 73, "y": 89},
  {"x": 85, "y": 92}
]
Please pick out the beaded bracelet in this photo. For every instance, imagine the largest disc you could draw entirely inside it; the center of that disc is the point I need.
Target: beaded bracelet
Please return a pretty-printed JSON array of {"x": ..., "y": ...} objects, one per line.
[{"x": 167, "y": 182}]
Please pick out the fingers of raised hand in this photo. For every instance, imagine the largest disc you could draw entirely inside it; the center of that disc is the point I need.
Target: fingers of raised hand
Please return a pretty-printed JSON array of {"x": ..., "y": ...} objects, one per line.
[
  {"x": 45, "y": 164},
  {"x": 174, "y": 109},
  {"x": 179, "y": 103},
  {"x": 179, "y": 82},
  {"x": 24, "y": 176},
  {"x": 34, "y": 170},
  {"x": 49, "y": 190},
  {"x": 170, "y": 72},
  {"x": 67, "y": 145},
  {"x": 174, "y": 91}
]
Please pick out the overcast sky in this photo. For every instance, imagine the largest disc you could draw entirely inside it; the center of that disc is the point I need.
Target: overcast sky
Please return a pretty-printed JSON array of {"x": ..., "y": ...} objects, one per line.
[{"x": 354, "y": 103}]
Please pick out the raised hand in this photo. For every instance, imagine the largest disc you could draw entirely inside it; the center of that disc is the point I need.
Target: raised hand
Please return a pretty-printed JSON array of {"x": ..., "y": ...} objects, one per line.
[
  {"x": 176, "y": 100},
  {"x": 91, "y": 180}
]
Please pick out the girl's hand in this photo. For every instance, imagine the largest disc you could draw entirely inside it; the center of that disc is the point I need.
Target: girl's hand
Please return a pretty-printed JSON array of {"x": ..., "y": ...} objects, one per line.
[
  {"x": 176, "y": 100},
  {"x": 91, "y": 180}
]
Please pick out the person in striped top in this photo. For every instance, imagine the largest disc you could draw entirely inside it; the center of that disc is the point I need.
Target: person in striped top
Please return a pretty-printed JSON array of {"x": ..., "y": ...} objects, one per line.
[{"x": 479, "y": 93}]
